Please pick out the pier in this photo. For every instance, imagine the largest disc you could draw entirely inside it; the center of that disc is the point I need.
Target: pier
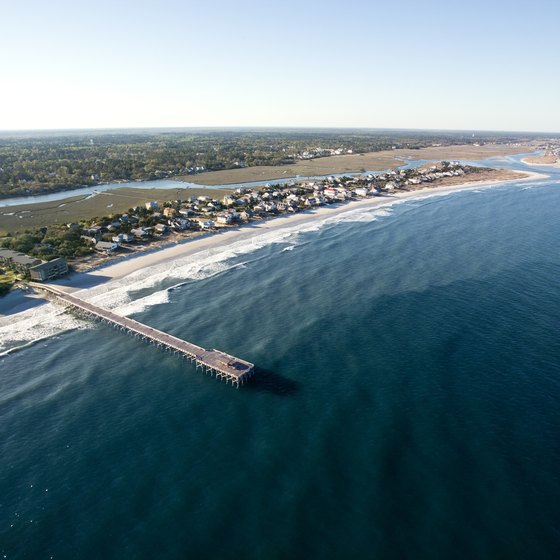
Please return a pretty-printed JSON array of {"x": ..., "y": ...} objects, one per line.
[{"x": 224, "y": 366}]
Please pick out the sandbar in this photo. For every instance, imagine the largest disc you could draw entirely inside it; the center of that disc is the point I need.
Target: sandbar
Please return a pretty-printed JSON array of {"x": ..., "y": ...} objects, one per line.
[{"x": 547, "y": 160}]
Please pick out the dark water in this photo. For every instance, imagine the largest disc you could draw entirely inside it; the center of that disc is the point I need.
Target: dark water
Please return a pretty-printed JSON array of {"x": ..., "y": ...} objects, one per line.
[{"x": 407, "y": 404}]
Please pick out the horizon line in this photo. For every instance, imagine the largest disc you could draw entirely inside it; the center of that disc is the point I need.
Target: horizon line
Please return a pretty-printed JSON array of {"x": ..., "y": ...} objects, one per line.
[{"x": 265, "y": 127}]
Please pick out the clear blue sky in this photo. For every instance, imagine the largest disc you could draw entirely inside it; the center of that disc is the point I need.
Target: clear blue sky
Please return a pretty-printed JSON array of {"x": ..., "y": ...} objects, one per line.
[{"x": 489, "y": 65}]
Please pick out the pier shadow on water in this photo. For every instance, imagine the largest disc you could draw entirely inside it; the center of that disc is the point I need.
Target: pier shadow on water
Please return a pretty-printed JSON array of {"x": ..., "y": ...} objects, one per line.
[{"x": 267, "y": 381}]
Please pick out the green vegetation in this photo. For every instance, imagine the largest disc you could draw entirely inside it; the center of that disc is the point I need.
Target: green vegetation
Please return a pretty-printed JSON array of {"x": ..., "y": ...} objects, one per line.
[
  {"x": 40, "y": 164},
  {"x": 23, "y": 217},
  {"x": 48, "y": 243},
  {"x": 7, "y": 279}
]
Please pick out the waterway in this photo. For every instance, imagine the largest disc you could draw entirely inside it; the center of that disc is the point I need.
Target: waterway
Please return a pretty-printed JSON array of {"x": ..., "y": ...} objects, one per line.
[{"x": 171, "y": 184}]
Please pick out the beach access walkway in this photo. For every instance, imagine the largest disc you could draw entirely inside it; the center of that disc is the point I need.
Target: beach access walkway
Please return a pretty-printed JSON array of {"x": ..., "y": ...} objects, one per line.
[{"x": 224, "y": 366}]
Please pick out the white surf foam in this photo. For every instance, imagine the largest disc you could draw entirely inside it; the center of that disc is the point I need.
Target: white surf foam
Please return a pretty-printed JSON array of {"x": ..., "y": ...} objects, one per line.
[
  {"x": 359, "y": 216},
  {"x": 35, "y": 324},
  {"x": 121, "y": 295}
]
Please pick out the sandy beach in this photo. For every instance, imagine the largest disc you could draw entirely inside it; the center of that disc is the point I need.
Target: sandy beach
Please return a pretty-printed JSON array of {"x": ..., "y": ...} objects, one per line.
[
  {"x": 548, "y": 161},
  {"x": 215, "y": 241}
]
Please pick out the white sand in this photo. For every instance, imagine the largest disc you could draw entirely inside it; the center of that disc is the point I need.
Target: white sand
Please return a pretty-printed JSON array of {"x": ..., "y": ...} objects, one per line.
[
  {"x": 227, "y": 236},
  {"x": 557, "y": 164}
]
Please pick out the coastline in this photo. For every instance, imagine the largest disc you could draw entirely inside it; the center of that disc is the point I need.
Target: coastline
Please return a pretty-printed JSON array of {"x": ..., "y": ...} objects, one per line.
[{"x": 112, "y": 271}]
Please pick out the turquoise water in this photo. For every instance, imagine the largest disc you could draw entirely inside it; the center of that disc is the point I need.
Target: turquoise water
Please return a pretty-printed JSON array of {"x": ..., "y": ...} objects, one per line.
[{"x": 406, "y": 407}]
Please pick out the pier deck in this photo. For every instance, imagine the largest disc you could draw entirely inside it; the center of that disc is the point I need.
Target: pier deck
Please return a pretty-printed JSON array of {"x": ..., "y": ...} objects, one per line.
[{"x": 223, "y": 365}]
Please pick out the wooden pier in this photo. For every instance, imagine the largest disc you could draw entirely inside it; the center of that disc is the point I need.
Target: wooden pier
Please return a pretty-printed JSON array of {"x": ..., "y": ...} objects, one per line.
[{"x": 229, "y": 368}]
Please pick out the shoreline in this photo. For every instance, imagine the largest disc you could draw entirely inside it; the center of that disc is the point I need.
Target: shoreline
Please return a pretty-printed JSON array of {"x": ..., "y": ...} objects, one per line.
[
  {"x": 114, "y": 271},
  {"x": 108, "y": 272}
]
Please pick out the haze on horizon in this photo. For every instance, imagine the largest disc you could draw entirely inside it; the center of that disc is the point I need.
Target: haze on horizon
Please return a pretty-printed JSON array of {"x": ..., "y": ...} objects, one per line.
[{"x": 415, "y": 65}]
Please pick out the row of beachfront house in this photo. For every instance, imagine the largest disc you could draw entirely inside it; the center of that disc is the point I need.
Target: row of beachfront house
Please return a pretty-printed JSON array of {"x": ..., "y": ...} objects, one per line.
[{"x": 206, "y": 213}]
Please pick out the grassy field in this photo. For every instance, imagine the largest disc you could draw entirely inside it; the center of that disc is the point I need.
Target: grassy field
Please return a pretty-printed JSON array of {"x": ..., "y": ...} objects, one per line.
[
  {"x": 19, "y": 218},
  {"x": 374, "y": 161}
]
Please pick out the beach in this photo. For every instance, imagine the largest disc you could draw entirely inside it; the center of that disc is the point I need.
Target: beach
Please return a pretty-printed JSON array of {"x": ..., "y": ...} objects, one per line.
[{"x": 221, "y": 240}]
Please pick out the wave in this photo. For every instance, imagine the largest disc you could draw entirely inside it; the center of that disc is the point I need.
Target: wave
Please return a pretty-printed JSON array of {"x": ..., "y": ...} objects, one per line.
[
  {"x": 118, "y": 295},
  {"x": 33, "y": 325},
  {"x": 122, "y": 295},
  {"x": 360, "y": 216},
  {"x": 141, "y": 304},
  {"x": 127, "y": 296}
]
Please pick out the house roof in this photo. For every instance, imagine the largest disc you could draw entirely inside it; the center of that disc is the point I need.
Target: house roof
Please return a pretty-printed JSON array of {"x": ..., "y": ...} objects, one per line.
[
  {"x": 55, "y": 262},
  {"x": 18, "y": 258}
]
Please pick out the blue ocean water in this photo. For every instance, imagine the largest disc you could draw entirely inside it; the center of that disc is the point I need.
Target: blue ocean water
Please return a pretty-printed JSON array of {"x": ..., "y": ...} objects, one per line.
[{"x": 406, "y": 404}]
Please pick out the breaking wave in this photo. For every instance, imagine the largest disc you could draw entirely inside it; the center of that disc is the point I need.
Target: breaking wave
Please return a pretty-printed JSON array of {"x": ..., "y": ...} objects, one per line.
[
  {"x": 35, "y": 324},
  {"x": 127, "y": 296}
]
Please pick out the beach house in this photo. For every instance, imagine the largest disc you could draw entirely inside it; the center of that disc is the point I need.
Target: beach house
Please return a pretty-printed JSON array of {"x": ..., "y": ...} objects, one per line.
[
  {"x": 18, "y": 261},
  {"x": 49, "y": 270}
]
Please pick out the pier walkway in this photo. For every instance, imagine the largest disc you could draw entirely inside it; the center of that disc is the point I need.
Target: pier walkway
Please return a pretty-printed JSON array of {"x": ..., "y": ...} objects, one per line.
[{"x": 231, "y": 369}]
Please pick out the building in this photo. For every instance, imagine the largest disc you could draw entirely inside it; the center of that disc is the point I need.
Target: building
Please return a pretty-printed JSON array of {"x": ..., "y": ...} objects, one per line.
[
  {"x": 205, "y": 224},
  {"x": 49, "y": 270},
  {"x": 18, "y": 261},
  {"x": 106, "y": 247},
  {"x": 179, "y": 224},
  {"x": 161, "y": 228},
  {"x": 223, "y": 220},
  {"x": 140, "y": 232}
]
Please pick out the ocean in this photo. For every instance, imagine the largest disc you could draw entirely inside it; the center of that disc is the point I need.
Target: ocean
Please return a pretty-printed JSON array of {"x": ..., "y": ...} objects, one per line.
[{"x": 406, "y": 404}]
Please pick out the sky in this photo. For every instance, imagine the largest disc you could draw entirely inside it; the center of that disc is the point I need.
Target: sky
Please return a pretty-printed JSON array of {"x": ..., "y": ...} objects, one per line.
[{"x": 474, "y": 65}]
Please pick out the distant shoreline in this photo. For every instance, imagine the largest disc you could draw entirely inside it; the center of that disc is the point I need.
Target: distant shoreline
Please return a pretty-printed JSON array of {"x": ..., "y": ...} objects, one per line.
[{"x": 352, "y": 164}]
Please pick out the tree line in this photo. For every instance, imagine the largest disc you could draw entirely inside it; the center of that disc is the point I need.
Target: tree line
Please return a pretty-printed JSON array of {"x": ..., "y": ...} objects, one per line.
[{"x": 40, "y": 164}]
